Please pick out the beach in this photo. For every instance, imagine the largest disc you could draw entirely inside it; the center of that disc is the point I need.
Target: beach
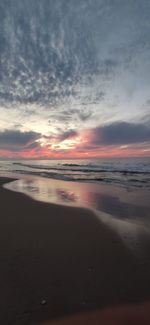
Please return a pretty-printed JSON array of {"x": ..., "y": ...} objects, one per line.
[
  {"x": 58, "y": 260},
  {"x": 74, "y": 162}
]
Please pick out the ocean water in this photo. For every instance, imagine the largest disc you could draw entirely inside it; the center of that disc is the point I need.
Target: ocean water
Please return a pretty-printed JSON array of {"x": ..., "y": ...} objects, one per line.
[{"x": 126, "y": 172}]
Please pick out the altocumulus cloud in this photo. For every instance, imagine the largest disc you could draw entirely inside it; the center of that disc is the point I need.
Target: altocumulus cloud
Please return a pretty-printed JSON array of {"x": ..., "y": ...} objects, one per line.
[
  {"x": 11, "y": 139},
  {"x": 73, "y": 63}
]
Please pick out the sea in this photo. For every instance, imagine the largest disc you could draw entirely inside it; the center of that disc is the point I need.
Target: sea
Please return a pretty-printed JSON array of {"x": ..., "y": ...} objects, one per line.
[{"x": 124, "y": 172}]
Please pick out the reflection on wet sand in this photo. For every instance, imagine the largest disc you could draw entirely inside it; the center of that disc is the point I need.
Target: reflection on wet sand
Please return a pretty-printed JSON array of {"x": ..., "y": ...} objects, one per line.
[
  {"x": 112, "y": 205},
  {"x": 87, "y": 195},
  {"x": 66, "y": 196},
  {"x": 127, "y": 212}
]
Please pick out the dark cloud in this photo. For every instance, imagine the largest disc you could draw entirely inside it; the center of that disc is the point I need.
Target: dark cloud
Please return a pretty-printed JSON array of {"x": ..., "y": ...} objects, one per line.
[
  {"x": 60, "y": 136},
  {"x": 67, "y": 135},
  {"x": 11, "y": 139},
  {"x": 120, "y": 133},
  {"x": 34, "y": 145}
]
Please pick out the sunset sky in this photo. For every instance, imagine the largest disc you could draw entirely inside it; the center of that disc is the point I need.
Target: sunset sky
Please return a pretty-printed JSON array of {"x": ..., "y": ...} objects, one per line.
[{"x": 74, "y": 78}]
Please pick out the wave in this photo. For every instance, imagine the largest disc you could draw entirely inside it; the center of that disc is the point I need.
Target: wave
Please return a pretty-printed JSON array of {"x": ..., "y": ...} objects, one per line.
[
  {"x": 132, "y": 173},
  {"x": 109, "y": 178},
  {"x": 84, "y": 168}
]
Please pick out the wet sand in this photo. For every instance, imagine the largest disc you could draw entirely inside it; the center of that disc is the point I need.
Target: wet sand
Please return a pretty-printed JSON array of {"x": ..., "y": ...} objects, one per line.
[
  {"x": 57, "y": 261},
  {"x": 135, "y": 314}
]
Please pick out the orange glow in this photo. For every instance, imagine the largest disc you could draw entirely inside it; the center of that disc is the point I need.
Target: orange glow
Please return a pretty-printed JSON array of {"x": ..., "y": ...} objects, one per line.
[
  {"x": 82, "y": 145},
  {"x": 78, "y": 152}
]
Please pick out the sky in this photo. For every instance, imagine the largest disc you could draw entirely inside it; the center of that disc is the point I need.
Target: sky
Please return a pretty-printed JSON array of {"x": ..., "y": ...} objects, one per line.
[{"x": 74, "y": 78}]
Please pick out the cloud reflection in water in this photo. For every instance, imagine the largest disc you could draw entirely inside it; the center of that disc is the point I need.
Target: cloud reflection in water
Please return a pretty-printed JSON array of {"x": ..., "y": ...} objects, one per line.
[{"x": 126, "y": 212}]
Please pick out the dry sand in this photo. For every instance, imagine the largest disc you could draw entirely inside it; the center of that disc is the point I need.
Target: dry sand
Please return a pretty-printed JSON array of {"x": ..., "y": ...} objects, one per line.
[{"x": 57, "y": 261}]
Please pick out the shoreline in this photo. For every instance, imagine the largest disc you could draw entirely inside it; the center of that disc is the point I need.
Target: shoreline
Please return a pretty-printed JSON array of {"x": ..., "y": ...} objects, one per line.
[{"x": 65, "y": 257}]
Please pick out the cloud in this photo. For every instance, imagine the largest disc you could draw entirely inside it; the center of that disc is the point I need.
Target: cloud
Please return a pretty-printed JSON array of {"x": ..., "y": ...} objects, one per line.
[
  {"x": 74, "y": 65},
  {"x": 84, "y": 115},
  {"x": 115, "y": 139},
  {"x": 67, "y": 115},
  {"x": 120, "y": 133},
  {"x": 11, "y": 139},
  {"x": 60, "y": 136},
  {"x": 57, "y": 45},
  {"x": 67, "y": 135}
]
